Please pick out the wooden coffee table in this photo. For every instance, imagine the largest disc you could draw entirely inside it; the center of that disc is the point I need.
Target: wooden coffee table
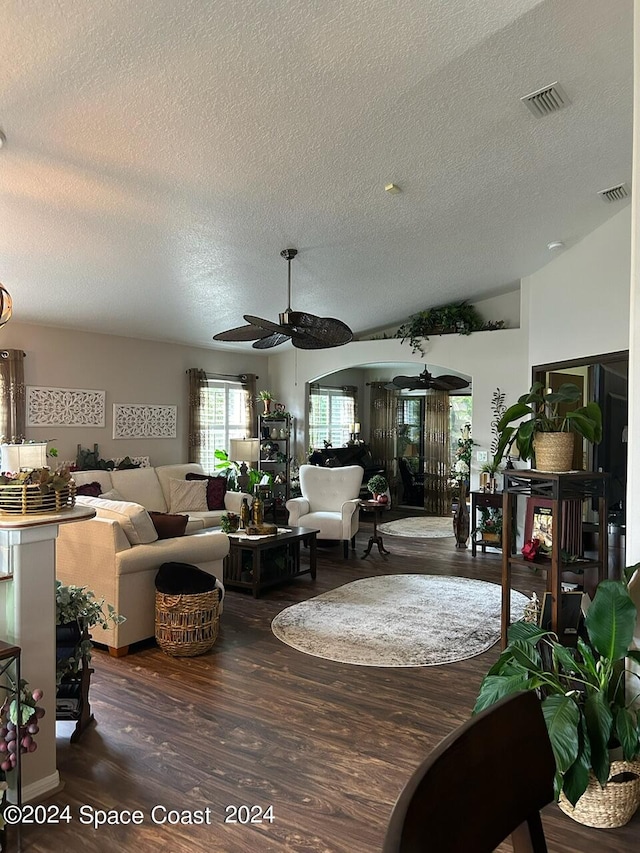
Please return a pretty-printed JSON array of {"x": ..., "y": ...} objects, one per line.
[{"x": 258, "y": 562}]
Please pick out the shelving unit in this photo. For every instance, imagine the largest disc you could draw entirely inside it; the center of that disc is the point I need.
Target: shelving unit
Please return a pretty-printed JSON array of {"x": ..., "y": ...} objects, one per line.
[
  {"x": 483, "y": 500},
  {"x": 556, "y": 487},
  {"x": 276, "y": 440}
]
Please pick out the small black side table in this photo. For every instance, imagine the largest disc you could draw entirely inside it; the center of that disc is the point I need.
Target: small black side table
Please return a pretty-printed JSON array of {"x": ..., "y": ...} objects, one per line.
[{"x": 376, "y": 509}]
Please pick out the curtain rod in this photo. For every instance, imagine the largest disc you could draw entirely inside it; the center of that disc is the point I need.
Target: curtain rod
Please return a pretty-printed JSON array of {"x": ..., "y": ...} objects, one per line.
[{"x": 240, "y": 376}]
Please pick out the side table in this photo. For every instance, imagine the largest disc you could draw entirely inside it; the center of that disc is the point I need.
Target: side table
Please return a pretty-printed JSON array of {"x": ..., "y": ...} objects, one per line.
[{"x": 376, "y": 509}]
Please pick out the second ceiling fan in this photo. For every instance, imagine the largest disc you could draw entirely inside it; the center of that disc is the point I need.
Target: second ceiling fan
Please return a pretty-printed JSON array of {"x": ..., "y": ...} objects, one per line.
[
  {"x": 426, "y": 381},
  {"x": 305, "y": 331}
]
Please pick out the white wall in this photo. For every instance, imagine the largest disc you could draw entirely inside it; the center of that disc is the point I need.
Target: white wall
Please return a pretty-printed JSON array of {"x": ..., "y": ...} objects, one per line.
[
  {"x": 492, "y": 359},
  {"x": 578, "y": 304},
  {"x": 130, "y": 371}
]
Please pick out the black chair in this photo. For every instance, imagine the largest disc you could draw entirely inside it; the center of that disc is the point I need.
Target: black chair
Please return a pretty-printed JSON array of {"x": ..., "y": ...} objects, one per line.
[
  {"x": 412, "y": 487},
  {"x": 485, "y": 782}
]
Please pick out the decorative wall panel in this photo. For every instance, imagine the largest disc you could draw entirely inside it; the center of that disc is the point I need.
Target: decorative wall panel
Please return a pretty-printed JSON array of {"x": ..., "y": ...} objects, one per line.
[
  {"x": 66, "y": 407},
  {"x": 136, "y": 420}
]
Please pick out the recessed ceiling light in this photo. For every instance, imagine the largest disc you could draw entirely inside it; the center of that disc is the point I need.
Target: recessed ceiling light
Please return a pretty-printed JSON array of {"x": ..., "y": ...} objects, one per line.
[
  {"x": 555, "y": 244},
  {"x": 392, "y": 188}
]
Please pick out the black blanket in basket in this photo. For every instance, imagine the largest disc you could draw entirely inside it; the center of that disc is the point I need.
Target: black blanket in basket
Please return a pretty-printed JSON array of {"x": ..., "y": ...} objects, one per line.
[{"x": 183, "y": 579}]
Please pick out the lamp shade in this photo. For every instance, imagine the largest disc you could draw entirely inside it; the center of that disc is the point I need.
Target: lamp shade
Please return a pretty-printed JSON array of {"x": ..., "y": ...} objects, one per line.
[
  {"x": 245, "y": 449},
  {"x": 15, "y": 457}
]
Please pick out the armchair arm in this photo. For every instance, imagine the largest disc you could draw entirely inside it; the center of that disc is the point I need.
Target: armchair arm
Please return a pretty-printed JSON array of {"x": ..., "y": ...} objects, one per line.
[
  {"x": 350, "y": 518},
  {"x": 297, "y": 507}
]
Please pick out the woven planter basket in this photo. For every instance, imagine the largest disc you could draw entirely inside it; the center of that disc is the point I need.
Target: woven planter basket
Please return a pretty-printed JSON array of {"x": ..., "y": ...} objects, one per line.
[
  {"x": 28, "y": 499},
  {"x": 554, "y": 451},
  {"x": 613, "y": 805},
  {"x": 187, "y": 625}
]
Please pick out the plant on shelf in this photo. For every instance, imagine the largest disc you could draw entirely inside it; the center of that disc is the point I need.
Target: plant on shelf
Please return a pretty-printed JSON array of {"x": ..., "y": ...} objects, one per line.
[
  {"x": 543, "y": 406},
  {"x": 90, "y": 460},
  {"x": 378, "y": 486},
  {"x": 78, "y": 608},
  {"x": 266, "y": 397},
  {"x": 582, "y": 690},
  {"x": 490, "y": 523},
  {"x": 460, "y": 318}
]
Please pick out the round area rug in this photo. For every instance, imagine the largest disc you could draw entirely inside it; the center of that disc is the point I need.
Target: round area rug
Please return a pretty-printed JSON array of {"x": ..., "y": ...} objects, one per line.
[
  {"x": 424, "y": 526},
  {"x": 398, "y": 620}
]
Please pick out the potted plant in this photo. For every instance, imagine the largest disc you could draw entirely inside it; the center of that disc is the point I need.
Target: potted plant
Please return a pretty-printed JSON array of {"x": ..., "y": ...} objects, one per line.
[
  {"x": 546, "y": 424},
  {"x": 460, "y": 318},
  {"x": 490, "y": 523},
  {"x": 582, "y": 691},
  {"x": 266, "y": 397},
  {"x": 378, "y": 486}
]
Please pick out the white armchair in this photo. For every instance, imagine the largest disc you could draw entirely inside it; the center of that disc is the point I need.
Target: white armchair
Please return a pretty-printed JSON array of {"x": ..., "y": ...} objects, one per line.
[{"x": 329, "y": 502}]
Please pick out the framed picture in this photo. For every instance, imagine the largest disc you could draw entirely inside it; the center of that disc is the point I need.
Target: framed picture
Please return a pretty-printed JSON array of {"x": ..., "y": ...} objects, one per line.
[{"x": 539, "y": 523}]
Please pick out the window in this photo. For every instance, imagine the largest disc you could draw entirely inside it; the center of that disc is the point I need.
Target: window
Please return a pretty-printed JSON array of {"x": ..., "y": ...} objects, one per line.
[
  {"x": 332, "y": 412},
  {"x": 461, "y": 409},
  {"x": 224, "y": 416}
]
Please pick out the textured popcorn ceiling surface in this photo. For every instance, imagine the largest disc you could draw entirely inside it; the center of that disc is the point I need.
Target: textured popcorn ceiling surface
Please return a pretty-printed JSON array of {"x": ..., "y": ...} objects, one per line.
[{"x": 161, "y": 153}]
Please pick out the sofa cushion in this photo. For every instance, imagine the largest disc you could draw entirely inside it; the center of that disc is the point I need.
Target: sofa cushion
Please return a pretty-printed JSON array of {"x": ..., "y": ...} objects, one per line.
[
  {"x": 168, "y": 525},
  {"x": 176, "y": 472},
  {"x": 81, "y": 478},
  {"x": 187, "y": 495},
  {"x": 216, "y": 489},
  {"x": 89, "y": 490},
  {"x": 132, "y": 518},
  {"x": 142, "y": 486}
]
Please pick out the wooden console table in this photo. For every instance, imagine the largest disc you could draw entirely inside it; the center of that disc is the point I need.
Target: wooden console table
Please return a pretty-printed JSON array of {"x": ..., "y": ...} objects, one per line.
[{"x": 556, "y": 487}]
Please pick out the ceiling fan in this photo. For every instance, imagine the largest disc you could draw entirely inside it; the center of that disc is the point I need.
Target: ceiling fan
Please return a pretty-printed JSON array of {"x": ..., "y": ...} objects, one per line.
[
  {"x": 425, "y": 381},
  {"x": 306, "y": 331}
]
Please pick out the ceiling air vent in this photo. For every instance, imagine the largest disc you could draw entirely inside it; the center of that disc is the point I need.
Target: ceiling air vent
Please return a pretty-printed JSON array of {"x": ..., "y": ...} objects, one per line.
[
  {"x": 614, "y": 193},
  {"x": 545, "y": 101}
]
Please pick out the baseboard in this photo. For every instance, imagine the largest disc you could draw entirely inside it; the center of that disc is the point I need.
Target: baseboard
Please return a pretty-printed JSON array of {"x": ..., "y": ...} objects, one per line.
[{"x": 39, "y": 790}]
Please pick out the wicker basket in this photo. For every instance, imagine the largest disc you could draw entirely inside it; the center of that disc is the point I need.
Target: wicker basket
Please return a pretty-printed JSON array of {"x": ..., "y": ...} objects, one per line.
[
  {"x": 554, "y": 451},
  {"x": 25, "y": 499},
  {"x": 187, "y": 625},
  {"x": 613, "y": 805}
]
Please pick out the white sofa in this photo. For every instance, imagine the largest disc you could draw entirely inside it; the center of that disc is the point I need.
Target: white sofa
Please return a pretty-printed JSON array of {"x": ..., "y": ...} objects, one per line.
[{"x": 117, "y": 554}]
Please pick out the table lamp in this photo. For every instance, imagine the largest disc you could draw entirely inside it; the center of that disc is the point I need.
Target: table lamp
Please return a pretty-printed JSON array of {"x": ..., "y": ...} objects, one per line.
[
  {"x": 16, "y": 457},
  {"x": 243, "y": 451}
]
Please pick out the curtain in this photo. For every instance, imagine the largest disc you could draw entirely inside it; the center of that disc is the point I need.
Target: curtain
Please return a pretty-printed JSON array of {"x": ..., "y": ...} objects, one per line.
[
  {"x": 248, "y": 381},
  {"x": 197, "y": 430},
  {"x": 12, "y": 395},
  {"x": 437, "y": 460},
  {"x": 384, "y": 431}
]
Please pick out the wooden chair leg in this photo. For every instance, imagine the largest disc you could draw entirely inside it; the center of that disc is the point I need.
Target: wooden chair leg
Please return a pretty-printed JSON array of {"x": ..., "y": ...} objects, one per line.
[{"x": 345, "y": 548}]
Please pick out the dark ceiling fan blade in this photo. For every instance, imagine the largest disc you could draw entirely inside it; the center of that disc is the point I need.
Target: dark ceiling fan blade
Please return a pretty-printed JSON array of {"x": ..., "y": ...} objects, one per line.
[
  {"x": 406, "y": 382},
  {"x": 271, "y": 341},
  {"x": 332, "y": 332},
  {"x": 269, "y": 325},
  {"x": 448, "y": 382},
  {"x": 241, "y": 333}
]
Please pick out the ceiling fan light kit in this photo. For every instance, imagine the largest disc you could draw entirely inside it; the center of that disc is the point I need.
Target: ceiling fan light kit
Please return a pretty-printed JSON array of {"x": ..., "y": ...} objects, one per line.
[{"x": 305, "y": 331}]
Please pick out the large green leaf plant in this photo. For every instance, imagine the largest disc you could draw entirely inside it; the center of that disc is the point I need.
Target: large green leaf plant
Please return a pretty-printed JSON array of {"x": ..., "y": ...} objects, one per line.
[
  {"x": 582, "y": 690},
  {"x": 543, "y": 406}
]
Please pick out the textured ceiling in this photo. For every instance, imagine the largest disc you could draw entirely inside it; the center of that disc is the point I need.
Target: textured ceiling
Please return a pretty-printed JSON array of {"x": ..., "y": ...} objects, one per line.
[{"x": 161, "y": 153}]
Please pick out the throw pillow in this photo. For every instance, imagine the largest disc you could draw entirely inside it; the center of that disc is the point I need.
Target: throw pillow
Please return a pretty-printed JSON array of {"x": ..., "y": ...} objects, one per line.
[
  {"x": 112, "y": 495},
  {"x": 187, "y": 496},
  {"x": 216, "y": 489},
  {"x": 89, "y": 490},
  {"x": 169, "y": 526}
]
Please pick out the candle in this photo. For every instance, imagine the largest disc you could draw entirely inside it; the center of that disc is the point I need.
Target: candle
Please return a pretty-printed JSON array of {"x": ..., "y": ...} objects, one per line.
[{"x": 357, "y": 428}]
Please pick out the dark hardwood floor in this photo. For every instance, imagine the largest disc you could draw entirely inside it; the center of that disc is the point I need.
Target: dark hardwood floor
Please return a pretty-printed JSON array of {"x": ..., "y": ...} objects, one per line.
[{"x": 255, "y": 722}]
